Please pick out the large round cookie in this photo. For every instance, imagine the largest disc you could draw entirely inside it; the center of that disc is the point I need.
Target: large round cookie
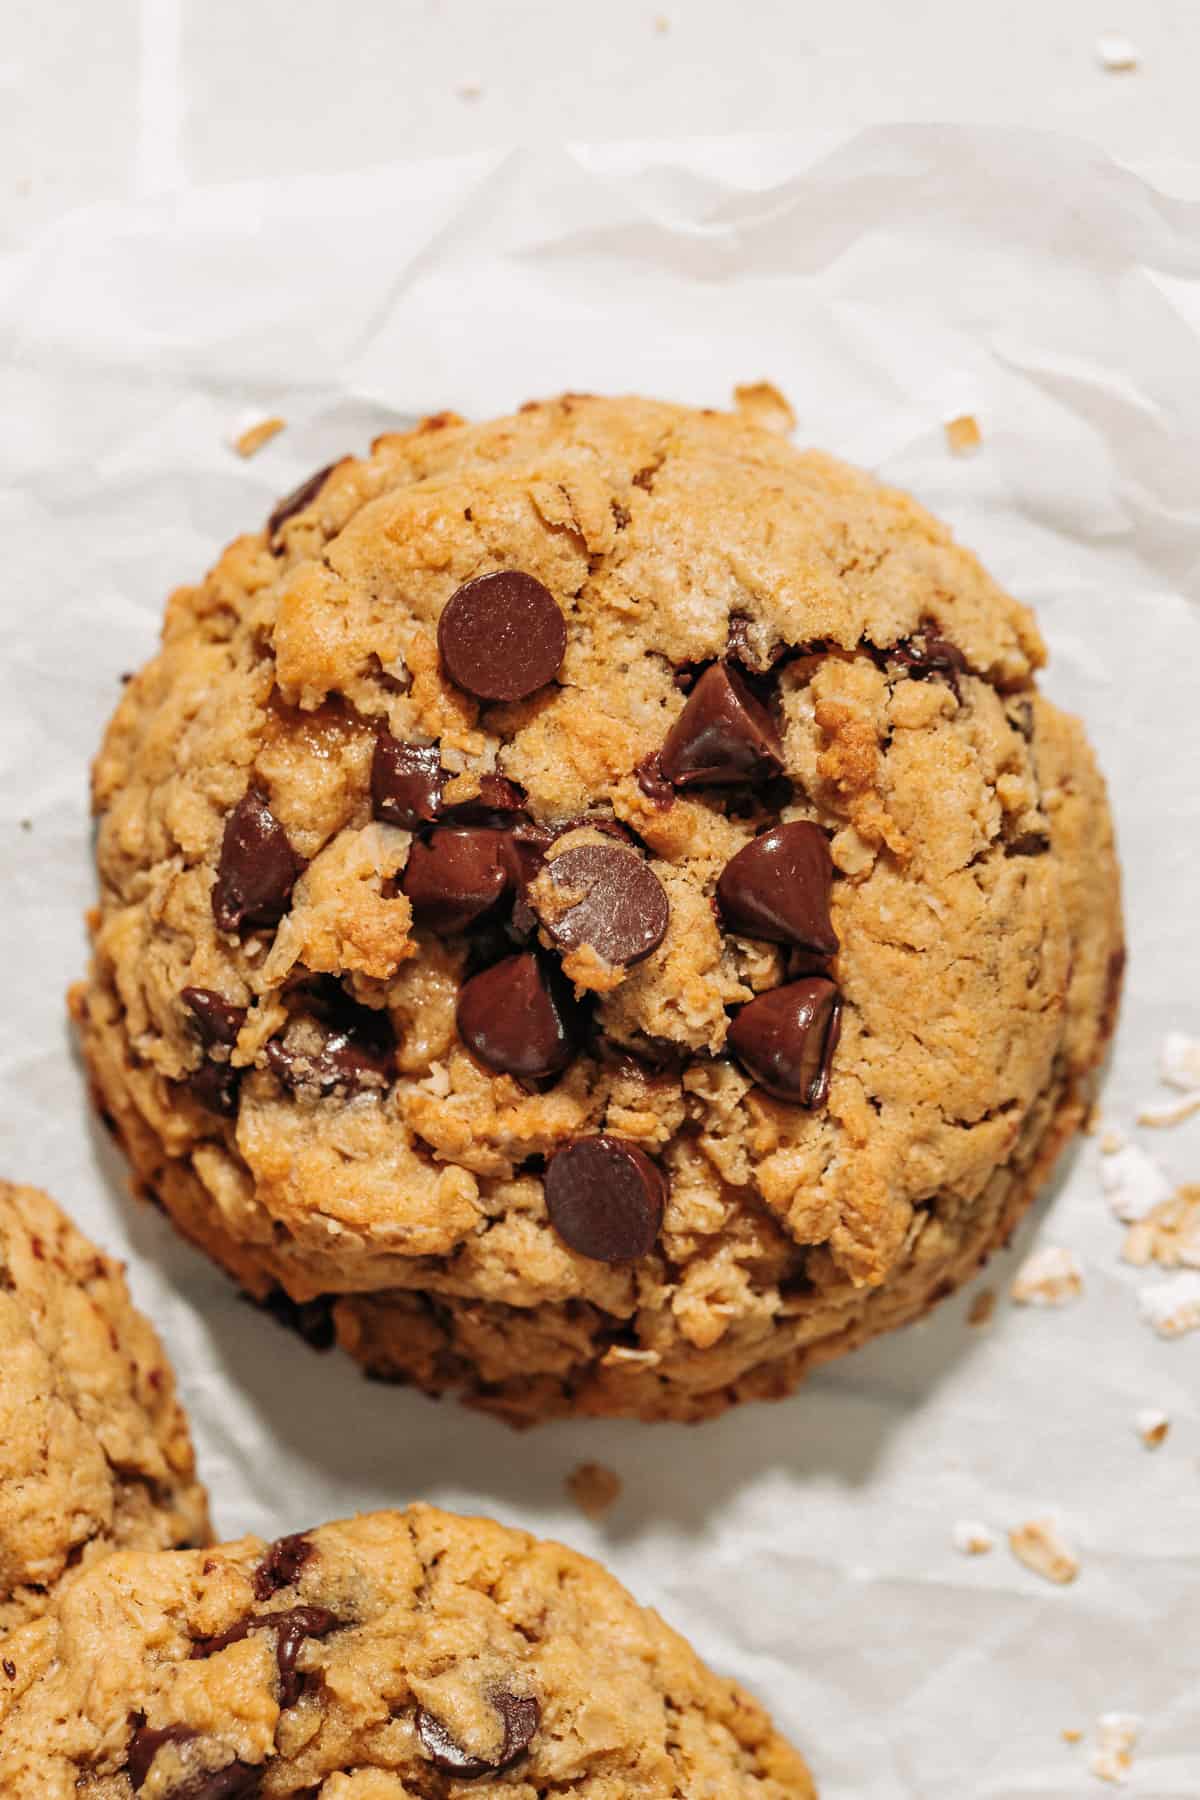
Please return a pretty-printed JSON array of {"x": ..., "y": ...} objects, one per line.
[
  {"x": 394, "y": 1656},
  {"x": 94, "y": 1448},
  {"x": 594, "y": 911}
]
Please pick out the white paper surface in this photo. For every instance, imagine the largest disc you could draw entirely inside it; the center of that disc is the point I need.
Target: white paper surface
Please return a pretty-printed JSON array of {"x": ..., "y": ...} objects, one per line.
[{"x": 884, "y": 284}]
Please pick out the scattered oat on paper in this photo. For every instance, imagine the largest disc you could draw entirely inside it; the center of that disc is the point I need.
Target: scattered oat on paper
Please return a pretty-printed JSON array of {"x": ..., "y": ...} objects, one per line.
[
  {"x": 1152, "y": 1426},
  {"x": 250, "y": 435},
  {"x": 1169, "y": 1236},
  {"x": 982, "y": 1308},
  {"x": 1133, "y": 1182},
  {"x": 1116, "y": 1735},
  {"x": 1038, "y": 1545},
  {"x": 973, "y": 1538},
  {"x": 1168, "y": 1112},
  {"x": 470, "y": 88},
  {"x": 762, "y": 402},
  {"x": 1071, "y": 1736},
  {"x": 593, "y": 1488},
  {"x": 1051, "y": 1276},
  {"x": 662, "y": 23},
  {"x": 1179, "y": 1061},
  {"x": 1173, "y": 1307},
  {"x": 963, "y": 435},
  {"x": 1116, "y": 53},
  {"x": 1112, "y": 1139}
]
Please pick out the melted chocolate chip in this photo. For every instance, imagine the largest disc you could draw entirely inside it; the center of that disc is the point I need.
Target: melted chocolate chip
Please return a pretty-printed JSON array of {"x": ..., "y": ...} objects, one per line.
[
  {"x": 236, "y": 1781},
  {"x": 622, "y": 912},
  {"x": 1030, "y": 843},
  {"x": 520, "y": 1715},
  {"x": 282, "y": 1564},
  {"x": 297, "y": 500},
  {"x": 215, "y": 1086},
  {"x": 777, "y": 887},
  {"x": 457, "y": 876},
  {"x": 785, "y": 1039},
  {"x": 291, "y": 1629},
  {"x": 929, "y": 654},
  {"x": 606, "y": 1198},
  {"x": 502, "y": 636},
  {"x": 653, "y": 783},
  {"x": 257, "y": 869},
  {"x": 145, "y": 1744},
  {"x": 406, "y": 782},
  {"x": 217, "y": 1020},
  {"x": 497, "y": 799},
  {"x": 357, "y": 1049},
  {"x": 722, "y": 737},
  {"x": 520, "y": 1017},
  {"x": 311, "y": 1320}
]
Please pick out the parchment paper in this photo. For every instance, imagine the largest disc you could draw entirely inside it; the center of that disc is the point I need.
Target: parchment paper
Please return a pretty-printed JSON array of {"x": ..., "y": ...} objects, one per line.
[{"x": 883, "y": 283}]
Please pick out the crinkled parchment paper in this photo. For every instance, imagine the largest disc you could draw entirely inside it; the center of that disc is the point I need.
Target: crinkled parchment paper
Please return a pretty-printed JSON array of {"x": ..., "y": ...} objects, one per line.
[{"x": 885, "y": 284}]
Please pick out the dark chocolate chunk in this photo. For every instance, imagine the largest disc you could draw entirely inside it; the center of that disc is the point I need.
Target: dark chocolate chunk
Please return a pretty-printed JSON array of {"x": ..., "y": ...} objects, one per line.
[
  {"x": 502, "y": 636},
  {"x": 785, "y": 1039},
  {"x": 454, "y": 876},
  {"x": 777, "y": 887},
  {"x": 236, "y": 1781},
  {"x": 723, "y": 736},
  {"x": 311, "y": 1320},
  {"x": 334, "y": 1045},
  {"x": 281, "y": 1565},
  {"x": 520, "y": 1017},
  {"x": 927, "y": 653},
  {"x": 215, "y": 1086},
  {"x": 1029, "y": 843},
  {"x": 406, "y": 782},
  {"x": 291, "y": 1629},
  {"x": 297, "y": 500},
  {"x": 257, "y": 869},
  {"x": 606, "y": 1198},
  {"x": 520, "y": 1715},
  {"x": 216, "y": 1019},
  {"x": 497, "y": 799},
  {"x": 145, "y": 1744},
  {"x": 622, "y": 911},
  {"x": 653, "y": 783}
]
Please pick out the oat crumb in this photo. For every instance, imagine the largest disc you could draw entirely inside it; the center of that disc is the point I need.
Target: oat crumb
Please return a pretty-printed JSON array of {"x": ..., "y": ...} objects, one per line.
[
  {"x": 963, "y": 435},
  {"x": 1071, "y": 1736},
  {"x": 1173, "y": 1307},
  {"x": 1112, "y": 1139},
  {"x": 593, "y": 1488},
  {"x": 1133, "y": 1182},
  {"x": 662, "y": 23},
  {"x": 1152, "y": 1426},
  {"x": 973, "y": 1538},
  {"x": 1116, "y": 53},
  {"x": 1116, "y": 1735},
  {"x": 1170, "y": 1235},
  {"x": 1038, "y": 1545},
  {"x": 1179, "y": 1062},
  {"x": 470, "y": 88},
  {"x": 762, "y": 402},
  {"x": 982, "y": 1308},
  {"x": 248, "y": 438},
  {"x": 1051, "y": 1276}
]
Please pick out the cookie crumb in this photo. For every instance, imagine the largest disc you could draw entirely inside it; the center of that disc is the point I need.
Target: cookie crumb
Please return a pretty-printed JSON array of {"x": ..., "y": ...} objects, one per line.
[
  {"x": 1071, "y": 1736},
  {"x": 593, "y": 1488},
  {"x": 1179, "y": 1062},
  {"x": 1152, "y": 1426},
  {"x": 26, "y": 824},
  {"x": 1173, "y": 1307},
  {"x": 1038, "y": 1545},
  {"x": 250, "y": 436},
  {"x": 1116, "y": 53},
  {"x": 662, "y": 23},
  {"x": 982, "y": 1308},
  {"x": 470, "y": 88},
  {"x": 1116, "y": 1735},
  {"x": 1051, "y": 1276},
  {"x": 1168, "y": 1112},
  {"x": 1133, "y": 1182},
  {"x": 763, "y": 404},
  {"x": 1169, "y": 1235},
  {"x": 963, "y": 436},
  {"x": 1112, "y": 1139},
  {"x": 973, "y": 1538}
]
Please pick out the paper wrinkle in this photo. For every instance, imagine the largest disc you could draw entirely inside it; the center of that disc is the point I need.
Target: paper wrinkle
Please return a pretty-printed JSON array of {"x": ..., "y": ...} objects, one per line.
[{"x": 883, "y": 283}]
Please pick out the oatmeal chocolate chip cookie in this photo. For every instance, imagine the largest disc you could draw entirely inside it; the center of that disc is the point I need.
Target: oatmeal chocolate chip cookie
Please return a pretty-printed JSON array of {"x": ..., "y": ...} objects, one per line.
[
  {"x": 595, "y": 912},
  {"x": 94, "y": 1449},
  {"x": 396, "y": 1655}
]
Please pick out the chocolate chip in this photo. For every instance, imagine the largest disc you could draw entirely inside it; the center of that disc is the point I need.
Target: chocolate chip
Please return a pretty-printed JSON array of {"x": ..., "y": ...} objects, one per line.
[
  {"x": 282, "y": 1564},
  {"x": 406, "y": 782},
  {"x": 502, "y": 636},
  {"x": 785, "y": 1039},
  {"x": 777, "y": 887},
  {"x": 291, "y": 1628},
  {"x": 1030, "y": 843},
  {"x": 297, "y": 500},
  {"x": 457, "y": 876},
  {"x": 927, "y": 654},
  {"x": 257, "y": 869},
  {"x": 9, "y": 1667},
  {"x": 311, "y": 1320},
  {"x": 653, "y": 783},
  {"x": 145, "y": 1744},
  {"x": 497, "y": 798},
  {"x": 236, "y": 1781},
  {"x": 623, "y": 912},
  {"x": 520, "y": 1017},
  {"x": 520, "y": 1716},
  {"x": 217, "y": 1020},
  {"x": 722, "y": 737},
  {"x": 215, "y": 1087},
  {"x": 336, "y": 1045},
  {"x": 606, "y": 1198}
]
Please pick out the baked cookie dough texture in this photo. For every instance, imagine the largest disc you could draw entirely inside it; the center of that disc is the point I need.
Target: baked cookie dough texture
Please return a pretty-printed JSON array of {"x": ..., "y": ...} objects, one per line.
[
  {"x": 398, "y": 1656},
  {"x": 595, "y": 913},
  {"x": 95, "y": 1455}
]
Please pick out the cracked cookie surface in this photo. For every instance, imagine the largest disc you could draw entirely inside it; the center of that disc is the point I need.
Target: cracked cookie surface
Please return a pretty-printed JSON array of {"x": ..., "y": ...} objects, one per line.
[
  {"x": 769, "y": 869},
  {"x": 95, "y": 1454},
  {"x": 397, "y": 1656}
]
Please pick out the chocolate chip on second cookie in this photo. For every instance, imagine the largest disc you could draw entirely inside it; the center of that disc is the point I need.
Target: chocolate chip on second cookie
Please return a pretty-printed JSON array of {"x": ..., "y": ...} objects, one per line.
[
  {"x": 502, "y": 636},
  {"x": 723, "y": 736},
  {"x": 606, "y": 1198},
  {"x": 257, "y": 868},
  {"x": 622, "y": 910},
  {"x": 785, "y": 1039},
  {"x": 520, "y": 1017},
  {"x": 777, "y": 887}
]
